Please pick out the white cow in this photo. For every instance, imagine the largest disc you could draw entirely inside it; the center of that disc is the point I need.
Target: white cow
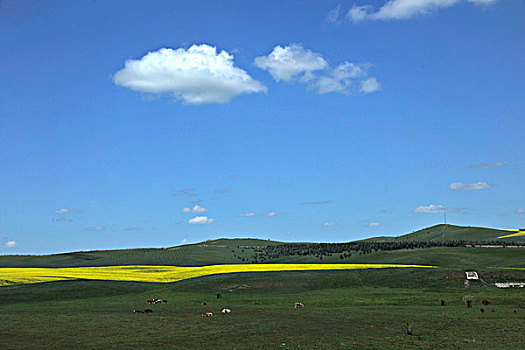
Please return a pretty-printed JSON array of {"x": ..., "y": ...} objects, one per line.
[{"x": 226, "y": 311}]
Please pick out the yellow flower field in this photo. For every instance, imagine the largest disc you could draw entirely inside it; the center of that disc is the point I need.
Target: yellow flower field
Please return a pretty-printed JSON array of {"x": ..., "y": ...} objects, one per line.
[
  {"x": 163, "y": 274},
  {"x": 515, "y": 234}
]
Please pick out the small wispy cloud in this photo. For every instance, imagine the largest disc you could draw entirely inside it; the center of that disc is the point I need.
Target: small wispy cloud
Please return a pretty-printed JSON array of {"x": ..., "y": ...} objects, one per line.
[
  {"x": 10, "y": 244},
  {"x": 63, "y": 220},
  {"x": 95, "y": 228},
  {"x": 272, "y": 214},
  {"x": 184, "y": 240},
  {"x": 269, "y": 214},
  {"x": 196, "y": 209},
  {"x": 432, "y": 208},
  {"x": 329, "y": 224},
  {"x": 184, "y": 191},
  {"x": 374, "y": 224},
  {"x": 333, "y": 15},
  {"x": 461, "y": 186},
  {"x": 487, "y": 165},
  {"x": 65, "y": 211},
  {"x": 222, "y": 190},
  {"x": 405, "y": 9},
  {"x": 316, "y": 203},
  {"x": 133, "y": 229},
  {"x": 247, "y": 213},
  {"x": 520, "y": 211},
  {"x": 200, "y": 220}
]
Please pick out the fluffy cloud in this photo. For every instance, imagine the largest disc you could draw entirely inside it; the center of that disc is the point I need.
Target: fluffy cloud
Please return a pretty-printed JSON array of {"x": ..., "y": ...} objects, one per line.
[
  {"x": 433, "y": 209},
  {"x": 293, "y": 63},
  {"x": 65, "y": 211},
  {"x": 96, "y": 228},
  {"x": 197, "y": 75},
  {"x": 196, "y": 209},
  {"x": 199, "y": 220},
  {"x": 10, "y": 244},
  {"x": 487, "y": 165},
  {"x": 460, "y": 186},
  {"x": 329, "y": 223},
  {"x": 374, "y": 224},
  {"x": 290, "y": 62},
  {"x": 405, "y": 9}
]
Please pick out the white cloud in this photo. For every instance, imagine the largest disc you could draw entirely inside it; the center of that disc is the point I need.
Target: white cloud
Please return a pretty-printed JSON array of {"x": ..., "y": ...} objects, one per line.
[
  {"x": 196, "y": 209},
  {"x": 405, "y": 9},
  {"x": 293, "y": 63},
  {"x": 247, "y": 213},
  {"x": 272, "y": 214},
  {"x": 329, "y": 223},
  {"x": 10, "y": 244},
  {"x": 199, "y": 220},
  {"x": 483, "y": 2},
  {"x": 358, "y": 13},
  {"x": 520, "y": 211},
  {"x": 374, "y": 224},
  {"x": 96, "y": 228},
  {"x": 197, "y": 75},
  {"x": 460, "y": 186},
  {"x": 184, "y": 240},
  {"x": 65, "y": 211},
  {"x": 370, "y": 85},
  {"x": 333, "y": 15},
  {"x": 290, "y": 62},
  {"x": 487, "y": 165},
  {"x": 432, "y": 209},
  {"x": 269, "y": 214}
]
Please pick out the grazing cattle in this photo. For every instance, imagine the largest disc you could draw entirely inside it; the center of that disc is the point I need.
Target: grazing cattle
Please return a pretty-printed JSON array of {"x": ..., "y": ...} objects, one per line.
[
  {"x": 207, "y": 314},
  {"x": 158, "y": 301},
  {"x": 482, "y": 310},
  {"x": 147, "y": 311},
  {"x": 164, "y": 300},
  {"x": 137, "y": 311},
  {"x": 226, "y": 311},
  {"x": 299, "y": 305},
  {"x": 151, "y": 301},
  {"x": 203, "y": 303}
]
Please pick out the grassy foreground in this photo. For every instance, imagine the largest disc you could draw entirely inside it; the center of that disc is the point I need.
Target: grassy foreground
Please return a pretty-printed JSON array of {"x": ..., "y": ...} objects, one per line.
[{"x": 357, "y": 309}]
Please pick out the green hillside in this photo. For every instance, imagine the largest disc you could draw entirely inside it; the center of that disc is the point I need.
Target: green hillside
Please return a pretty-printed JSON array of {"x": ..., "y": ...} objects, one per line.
[
  {"x": 443, "y": 233},
  {"x": 231, "y": 251},
  {"x": 217, "y": 251}
]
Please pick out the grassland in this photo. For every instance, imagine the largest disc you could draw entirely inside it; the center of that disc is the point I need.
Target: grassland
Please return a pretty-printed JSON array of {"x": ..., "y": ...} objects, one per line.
[{"x": 348, "y": 309}]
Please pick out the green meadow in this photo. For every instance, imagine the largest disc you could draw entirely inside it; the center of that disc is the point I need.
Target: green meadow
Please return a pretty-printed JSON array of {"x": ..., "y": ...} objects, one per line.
[{"x": 357, "y": 309}]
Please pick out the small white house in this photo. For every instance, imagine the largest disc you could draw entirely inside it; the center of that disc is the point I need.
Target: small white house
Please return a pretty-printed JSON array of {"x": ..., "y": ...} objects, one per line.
[{"x": 471, "y": 275}]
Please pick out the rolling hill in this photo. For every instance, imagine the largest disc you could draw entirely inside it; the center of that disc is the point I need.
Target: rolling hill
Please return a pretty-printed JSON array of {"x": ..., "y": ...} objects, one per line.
[{"x": 442, "y": 233}]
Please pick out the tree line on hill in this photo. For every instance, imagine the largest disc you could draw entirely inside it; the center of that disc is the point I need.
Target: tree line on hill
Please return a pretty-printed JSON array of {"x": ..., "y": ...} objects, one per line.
[{"x": 365, "y": 247}]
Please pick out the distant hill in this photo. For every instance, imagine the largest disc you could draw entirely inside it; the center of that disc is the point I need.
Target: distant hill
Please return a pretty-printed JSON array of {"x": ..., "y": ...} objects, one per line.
[
  {"x": 238, "y": 251},
  {"x": 442, "y": 233}
]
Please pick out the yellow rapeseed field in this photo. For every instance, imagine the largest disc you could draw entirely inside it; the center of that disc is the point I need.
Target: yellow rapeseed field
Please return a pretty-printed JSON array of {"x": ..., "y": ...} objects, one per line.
[{"x": 163, "y": 274}]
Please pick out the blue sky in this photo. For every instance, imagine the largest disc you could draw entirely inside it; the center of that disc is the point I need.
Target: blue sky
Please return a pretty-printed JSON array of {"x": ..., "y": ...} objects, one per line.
[{"x": 295, "y": 121}]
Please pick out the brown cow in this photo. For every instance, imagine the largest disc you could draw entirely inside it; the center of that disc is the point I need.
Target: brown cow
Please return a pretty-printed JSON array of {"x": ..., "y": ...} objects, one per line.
[
  {"x": 299, "y": 305},
  {"x": 207, "y": 314}
]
